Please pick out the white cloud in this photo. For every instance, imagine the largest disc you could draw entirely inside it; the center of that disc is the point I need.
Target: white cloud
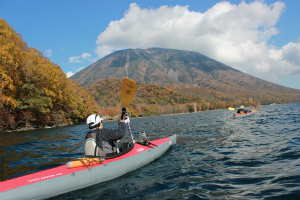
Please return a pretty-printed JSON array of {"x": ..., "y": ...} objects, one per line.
[
  {"x": 75, "y": 59},
  {"x": 86, "y": 55},
  {"x": 49, "y": 53},
  {"x": 82, "y": 58},
  {"x": 236, "y": 35},
  {"x": 69, "y": 74}
]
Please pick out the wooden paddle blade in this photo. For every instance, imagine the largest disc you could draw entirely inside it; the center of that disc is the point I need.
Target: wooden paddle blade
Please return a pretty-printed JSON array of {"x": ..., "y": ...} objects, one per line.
[{"x": 127, "y": 91}]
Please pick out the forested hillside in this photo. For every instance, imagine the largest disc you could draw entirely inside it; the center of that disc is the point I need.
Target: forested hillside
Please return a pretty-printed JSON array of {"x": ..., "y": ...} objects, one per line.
[
  {"x": 35, "y": 92},
  {"x": 152, "y": 100}
]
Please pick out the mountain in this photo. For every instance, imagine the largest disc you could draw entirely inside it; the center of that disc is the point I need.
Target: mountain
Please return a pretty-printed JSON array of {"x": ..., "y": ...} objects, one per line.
[{"x": 186, "y": 72}]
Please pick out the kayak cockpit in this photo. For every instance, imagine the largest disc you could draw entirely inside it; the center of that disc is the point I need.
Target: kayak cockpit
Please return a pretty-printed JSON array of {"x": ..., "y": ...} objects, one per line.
[{"x": 121, "y": 149}]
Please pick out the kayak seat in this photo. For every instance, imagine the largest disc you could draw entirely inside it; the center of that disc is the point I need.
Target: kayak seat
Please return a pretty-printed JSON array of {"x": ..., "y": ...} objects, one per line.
[{"x": 91, "y": 149}]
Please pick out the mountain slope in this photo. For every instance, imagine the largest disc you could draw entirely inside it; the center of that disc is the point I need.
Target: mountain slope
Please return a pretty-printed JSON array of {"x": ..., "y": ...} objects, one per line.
[
  {"x": 188, "y": 73},
  {"x": 149, "y": 66}
]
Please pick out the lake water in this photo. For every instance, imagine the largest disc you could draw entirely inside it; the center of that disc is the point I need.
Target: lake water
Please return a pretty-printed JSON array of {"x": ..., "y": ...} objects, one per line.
[{"x": 216, "y": 156}]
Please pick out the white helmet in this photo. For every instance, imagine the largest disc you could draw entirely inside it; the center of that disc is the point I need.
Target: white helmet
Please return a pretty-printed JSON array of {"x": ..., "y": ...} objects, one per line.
[{"x": 93, "y": 121}]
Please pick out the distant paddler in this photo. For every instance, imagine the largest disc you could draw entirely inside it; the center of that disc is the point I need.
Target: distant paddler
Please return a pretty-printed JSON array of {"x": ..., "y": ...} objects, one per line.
[{"x": 241, "y": 110}]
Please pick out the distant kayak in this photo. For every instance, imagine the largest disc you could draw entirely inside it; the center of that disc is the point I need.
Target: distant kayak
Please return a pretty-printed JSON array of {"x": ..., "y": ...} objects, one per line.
[
  {"x": 244, "y": 114},
  {"x": 230, "y": 108},
  {"x": 84, "y": 172}
]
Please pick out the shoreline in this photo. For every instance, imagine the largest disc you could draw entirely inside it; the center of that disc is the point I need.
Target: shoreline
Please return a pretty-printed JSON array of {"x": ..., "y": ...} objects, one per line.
[
  {"x": 114, "y": 119},
  {"x": 105, "y": 120}
]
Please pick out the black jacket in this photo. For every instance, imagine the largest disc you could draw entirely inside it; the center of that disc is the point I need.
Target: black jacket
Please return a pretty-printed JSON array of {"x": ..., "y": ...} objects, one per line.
[{"x": 242, "y": 110}]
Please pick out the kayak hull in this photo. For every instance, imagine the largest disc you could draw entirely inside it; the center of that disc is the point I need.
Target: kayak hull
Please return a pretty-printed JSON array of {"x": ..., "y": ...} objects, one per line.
[
  {"x": 60, "y": 180},
  {"x": 243, "y": 115}
]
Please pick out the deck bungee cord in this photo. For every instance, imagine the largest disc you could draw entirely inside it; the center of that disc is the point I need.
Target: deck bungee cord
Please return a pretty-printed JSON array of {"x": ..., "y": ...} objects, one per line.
[{"x": 87, "y": 162}]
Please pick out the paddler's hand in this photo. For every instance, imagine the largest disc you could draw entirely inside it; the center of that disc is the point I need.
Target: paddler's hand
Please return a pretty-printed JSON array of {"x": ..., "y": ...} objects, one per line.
[
  {"x": 123, "y": 113},
  {"x": 127, "y": 120}
]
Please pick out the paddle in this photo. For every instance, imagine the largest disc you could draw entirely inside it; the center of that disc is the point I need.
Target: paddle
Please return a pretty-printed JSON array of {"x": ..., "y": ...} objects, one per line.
[{"x": 127, "y": 91}]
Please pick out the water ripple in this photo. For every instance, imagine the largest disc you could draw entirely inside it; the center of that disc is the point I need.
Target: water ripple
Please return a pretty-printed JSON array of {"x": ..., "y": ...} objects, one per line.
[{"x": 216, "y": 156}]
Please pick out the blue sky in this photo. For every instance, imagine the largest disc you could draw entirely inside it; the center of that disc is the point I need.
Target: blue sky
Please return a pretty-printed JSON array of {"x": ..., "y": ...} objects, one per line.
[{"x": 260, "y": 38}]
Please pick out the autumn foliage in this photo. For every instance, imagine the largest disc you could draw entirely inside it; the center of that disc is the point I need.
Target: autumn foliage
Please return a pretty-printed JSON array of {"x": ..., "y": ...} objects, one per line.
[
  {"x": 35, "y": 92},
  {"x": 152, "y": 100}
]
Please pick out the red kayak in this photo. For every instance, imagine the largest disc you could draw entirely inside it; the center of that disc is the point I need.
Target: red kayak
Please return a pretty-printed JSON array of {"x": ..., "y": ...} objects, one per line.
[
  {"x": 244, "y": 114},
  {"x": 60, "y": 180}
]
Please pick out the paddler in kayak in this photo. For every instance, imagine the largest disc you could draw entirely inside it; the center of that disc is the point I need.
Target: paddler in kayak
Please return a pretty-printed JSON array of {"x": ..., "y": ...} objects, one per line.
[
  {"x": 242, "y": 110},
  {"x": 99, "y": 141}
]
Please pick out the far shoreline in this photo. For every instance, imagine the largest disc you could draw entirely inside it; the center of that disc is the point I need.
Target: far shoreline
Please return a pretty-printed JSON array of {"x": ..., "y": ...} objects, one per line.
[{"x": 24, "y": 129}]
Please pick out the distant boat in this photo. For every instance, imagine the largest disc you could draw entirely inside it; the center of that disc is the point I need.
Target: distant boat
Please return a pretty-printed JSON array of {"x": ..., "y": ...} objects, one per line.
[
  {"x": 230, "y": 108},
  {"x": 244, "y": 114}
]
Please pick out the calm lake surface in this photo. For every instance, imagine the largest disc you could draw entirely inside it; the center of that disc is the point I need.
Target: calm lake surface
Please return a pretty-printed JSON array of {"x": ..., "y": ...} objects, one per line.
[{"x": 216, "y": 156}]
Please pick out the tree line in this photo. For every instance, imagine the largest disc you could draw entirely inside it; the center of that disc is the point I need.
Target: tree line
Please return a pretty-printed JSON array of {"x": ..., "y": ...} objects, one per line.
[{"x": 153, "y": 100}]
